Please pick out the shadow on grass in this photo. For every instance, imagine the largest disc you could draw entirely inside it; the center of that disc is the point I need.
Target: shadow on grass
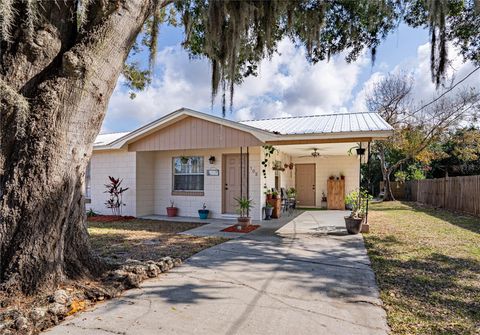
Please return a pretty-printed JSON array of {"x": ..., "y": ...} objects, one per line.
[
  {"x": 437, "y": 289},
  {"x": 146, "y": 225},
  {"x": 461, "y": 220},
  {"x": 153, "y": 246}
]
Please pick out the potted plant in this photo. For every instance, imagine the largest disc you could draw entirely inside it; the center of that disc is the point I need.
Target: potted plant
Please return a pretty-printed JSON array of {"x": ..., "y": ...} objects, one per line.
[
  {"x": 172, "y": 210},
  {"x": 360, "y": 151},
  {"x": 357, "y": 201},
  {"x": 274, "y": 195},
  {"x": 203, "y": 213},
  {"x": 291, "y": 192},
  {"x": 268, "y": 193},
  {"x": 244, "y": 206},
  {"x": 268, "y": 211}
]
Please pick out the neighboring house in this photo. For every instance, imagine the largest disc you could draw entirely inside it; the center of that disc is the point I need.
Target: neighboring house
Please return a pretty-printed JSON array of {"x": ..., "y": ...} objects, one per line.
[{"x": 192, "y": 158}]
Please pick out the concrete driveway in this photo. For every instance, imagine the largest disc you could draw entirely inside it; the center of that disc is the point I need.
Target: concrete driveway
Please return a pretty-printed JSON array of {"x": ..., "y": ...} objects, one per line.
[{"x": 302, "y": 277}]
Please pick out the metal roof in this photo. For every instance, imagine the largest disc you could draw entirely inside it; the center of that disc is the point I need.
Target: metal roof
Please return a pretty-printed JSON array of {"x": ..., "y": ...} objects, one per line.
[
  {"x": 296, "y": 125},
  {"x": 104, "y": 139},
  {"x": 322, "y": 124}
]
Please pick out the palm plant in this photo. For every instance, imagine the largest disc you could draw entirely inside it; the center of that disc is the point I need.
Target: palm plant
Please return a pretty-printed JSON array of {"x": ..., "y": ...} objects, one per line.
[{"x": 244, "y": 205}]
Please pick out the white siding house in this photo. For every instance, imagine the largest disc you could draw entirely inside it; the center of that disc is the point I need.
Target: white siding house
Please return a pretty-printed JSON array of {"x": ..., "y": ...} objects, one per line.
[{"x": 192, "y": 159}]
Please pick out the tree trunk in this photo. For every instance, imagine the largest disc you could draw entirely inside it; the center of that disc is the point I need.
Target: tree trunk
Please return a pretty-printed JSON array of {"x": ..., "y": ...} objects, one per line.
[
  {"x": 387, "y": 187},
  {"x": 386, "y": 172},
  {"x": 57, "y": 86}
]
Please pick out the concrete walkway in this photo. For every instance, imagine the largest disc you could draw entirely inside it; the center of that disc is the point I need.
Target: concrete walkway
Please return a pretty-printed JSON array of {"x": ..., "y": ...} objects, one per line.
[{"x": 302, "y": 277}]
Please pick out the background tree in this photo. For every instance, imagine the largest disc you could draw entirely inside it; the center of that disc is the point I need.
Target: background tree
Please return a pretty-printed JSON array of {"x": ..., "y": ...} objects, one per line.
[
  {"x": 416, "y": 129},
  {"x": 59, "y": 64},
  {"x": 460, "y": 154}
]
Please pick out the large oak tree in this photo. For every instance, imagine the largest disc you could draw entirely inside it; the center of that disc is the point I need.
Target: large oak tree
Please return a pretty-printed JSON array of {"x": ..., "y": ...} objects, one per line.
[{"x": 60, "y": 61}]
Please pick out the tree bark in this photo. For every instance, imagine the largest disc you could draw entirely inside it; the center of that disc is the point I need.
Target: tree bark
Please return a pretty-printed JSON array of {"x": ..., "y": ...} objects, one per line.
[
  {"x": 386, "y": 172},
  {"x": 58, "y": 84}
]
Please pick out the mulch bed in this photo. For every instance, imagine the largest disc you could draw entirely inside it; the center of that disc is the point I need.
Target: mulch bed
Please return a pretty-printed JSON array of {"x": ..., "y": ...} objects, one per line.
[
  {"x": 109, "y": 218},
  {"x": 235, "y": 228}
]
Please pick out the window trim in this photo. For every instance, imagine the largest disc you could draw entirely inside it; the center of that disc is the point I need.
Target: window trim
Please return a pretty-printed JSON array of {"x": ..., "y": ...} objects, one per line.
[
  {"x": 88, "y": 182},
  {"x": 188, "y": 192}
]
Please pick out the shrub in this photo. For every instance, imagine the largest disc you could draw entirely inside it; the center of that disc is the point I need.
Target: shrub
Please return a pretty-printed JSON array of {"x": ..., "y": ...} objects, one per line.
[{"x": 115, "y": 191}]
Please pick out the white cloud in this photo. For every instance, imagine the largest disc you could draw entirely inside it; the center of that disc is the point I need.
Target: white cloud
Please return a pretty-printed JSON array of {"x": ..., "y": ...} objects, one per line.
[
  {"x": 424, "y": 90},
  {"x": 286, "y": 85},
  {"x": 183, "y": 83}
]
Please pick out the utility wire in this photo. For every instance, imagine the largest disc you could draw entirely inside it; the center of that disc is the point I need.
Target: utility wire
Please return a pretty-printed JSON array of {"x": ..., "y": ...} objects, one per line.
[{"x": 447, "y": 91}]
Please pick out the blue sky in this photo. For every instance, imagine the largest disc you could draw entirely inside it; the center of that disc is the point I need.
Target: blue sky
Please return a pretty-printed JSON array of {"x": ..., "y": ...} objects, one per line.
[{"x": 286, "y": 86}]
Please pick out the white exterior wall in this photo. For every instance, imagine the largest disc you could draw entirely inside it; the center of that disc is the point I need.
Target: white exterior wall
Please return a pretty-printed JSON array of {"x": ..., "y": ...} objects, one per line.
[
  {"x": 287, "y": 177},
  {"x": 324, "y": 167},
  {"x": 188, "y": 205},
  {"x": 148, "y": 175},
  {"x": 349, "y": 166},
  {"x": 119, "y": 164}
]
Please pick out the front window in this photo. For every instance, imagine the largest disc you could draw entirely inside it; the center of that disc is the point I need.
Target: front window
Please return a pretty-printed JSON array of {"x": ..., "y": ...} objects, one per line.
[{"x": 188, "y": 173}]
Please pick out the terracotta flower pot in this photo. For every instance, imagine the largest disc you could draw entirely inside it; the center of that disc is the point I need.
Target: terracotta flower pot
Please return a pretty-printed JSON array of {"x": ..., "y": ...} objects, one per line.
[
  {"x": 353, "y": 225},
  {"x": 172, "y": 211},
  {"x": 244, "y": 221}
]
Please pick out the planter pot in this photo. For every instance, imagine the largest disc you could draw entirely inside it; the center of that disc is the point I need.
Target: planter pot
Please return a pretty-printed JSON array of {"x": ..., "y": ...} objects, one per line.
[
  {"x": 244, "y": 221},
  {"x": 360, "y": 151},
  {"x": 353, "y": 225},
  {"x": 268, "y": 213},
  {"x": 203, "y": 213},
  {"x": 172, "y": 211}
]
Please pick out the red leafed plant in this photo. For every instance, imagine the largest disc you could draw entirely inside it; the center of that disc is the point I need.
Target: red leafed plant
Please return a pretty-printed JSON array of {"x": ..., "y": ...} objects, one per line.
[{"x": 115, "y": 190}]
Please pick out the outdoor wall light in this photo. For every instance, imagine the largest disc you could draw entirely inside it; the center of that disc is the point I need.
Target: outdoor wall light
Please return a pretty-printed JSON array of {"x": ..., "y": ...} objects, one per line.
[{"x": 212, "y": 159}]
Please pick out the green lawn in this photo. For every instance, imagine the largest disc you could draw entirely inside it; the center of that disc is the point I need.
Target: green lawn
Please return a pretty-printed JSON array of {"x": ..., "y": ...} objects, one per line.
[{"x": 427, "y": 264}]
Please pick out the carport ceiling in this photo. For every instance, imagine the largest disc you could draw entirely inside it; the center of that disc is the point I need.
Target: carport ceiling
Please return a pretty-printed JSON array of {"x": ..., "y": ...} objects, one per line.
[{"x": 330, "y": 149}]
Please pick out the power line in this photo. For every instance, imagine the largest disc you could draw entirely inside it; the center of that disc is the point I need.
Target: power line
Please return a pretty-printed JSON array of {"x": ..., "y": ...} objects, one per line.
[{"x": 447, "y": 91}]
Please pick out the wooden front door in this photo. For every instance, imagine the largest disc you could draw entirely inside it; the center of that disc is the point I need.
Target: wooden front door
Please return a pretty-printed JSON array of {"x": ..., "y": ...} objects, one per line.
[
  {"x": 305, "y": 184},
  {"x": 232, "y": 176}
]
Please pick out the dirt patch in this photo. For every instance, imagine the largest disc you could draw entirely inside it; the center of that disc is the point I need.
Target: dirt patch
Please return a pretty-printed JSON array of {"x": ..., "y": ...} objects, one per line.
[
  {"x": 109, "y": 218},
  {"x": 147, "y": 239}
]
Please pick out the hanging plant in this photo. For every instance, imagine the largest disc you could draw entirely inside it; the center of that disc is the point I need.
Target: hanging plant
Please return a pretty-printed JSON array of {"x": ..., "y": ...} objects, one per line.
[{"x": 269, "y": 151}]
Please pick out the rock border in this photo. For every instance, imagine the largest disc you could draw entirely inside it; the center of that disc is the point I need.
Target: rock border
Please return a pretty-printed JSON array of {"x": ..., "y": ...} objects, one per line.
[{"x": 65, "y": 302}]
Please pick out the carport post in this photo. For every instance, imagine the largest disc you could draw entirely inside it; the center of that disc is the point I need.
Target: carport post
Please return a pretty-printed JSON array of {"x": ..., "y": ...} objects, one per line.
[{"x": 368, "y": 181}]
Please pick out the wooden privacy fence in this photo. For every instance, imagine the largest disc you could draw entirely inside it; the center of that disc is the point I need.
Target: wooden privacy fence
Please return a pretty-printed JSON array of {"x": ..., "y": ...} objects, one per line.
[{"x": 460, "y": 194}]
